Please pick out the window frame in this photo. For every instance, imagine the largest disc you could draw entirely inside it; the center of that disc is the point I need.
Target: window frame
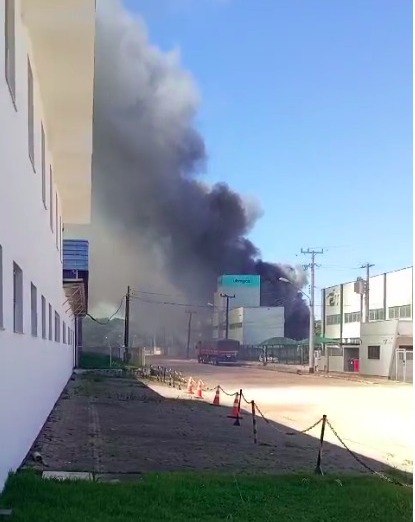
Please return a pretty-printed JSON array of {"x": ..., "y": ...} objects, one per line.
[
  {"x": 370, "y": 356},
  {"x": 31, "y": 114},
  {"x": 33, "y": 310},
  {"x": 10, "y": 47},
  {"x": 43, "y": 316},
  {"x": 18, "y": 302}
]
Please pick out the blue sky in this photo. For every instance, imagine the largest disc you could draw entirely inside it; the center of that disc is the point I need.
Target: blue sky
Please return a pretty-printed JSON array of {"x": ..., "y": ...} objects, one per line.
[{"x": 307, "y": 107}]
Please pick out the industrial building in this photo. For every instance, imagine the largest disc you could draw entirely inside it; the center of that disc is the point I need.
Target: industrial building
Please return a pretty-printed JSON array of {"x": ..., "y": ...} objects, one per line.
[
  {"x": 246, "y": 320},
  {"x": 253, "y": 325},
  {"x": 46, "y": 102},
  {"x": 372, "y": 324}
]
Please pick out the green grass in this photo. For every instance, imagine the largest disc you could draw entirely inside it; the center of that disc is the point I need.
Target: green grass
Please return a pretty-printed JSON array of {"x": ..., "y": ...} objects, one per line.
[
  {"x": 96, "y": 361},
  {"x": 182, "y": 497}
]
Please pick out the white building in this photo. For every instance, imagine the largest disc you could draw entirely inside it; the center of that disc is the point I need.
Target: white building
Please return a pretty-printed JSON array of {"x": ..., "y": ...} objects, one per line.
[
  {"x": 243, "y": 290},
  {"x": 379, "y": 337},
  {"x": 253, "y": 325},
  {"x": 46, "y": 100}
]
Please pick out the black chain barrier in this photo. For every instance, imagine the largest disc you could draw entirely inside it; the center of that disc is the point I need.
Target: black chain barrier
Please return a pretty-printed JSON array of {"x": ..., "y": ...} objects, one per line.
[{"x": 175, "y": 379}]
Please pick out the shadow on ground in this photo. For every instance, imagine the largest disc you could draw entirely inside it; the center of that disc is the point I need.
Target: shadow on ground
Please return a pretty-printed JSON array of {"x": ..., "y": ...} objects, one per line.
[{"x": 121, "y": 426}]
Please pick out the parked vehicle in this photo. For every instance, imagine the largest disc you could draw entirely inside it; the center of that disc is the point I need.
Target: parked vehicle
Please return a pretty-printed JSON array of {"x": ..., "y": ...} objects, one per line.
[{"x": 217, "y": 352}]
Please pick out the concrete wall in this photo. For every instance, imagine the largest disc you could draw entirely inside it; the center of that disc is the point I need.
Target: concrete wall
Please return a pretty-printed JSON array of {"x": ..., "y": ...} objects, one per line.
[
  {"x": 382, "y": 334},
  {"x": 256, "y": 324},
  {"x": 399, "y": 287},
  {"x": 33, "y": 370},
  {"x": 386, "y": 291}
]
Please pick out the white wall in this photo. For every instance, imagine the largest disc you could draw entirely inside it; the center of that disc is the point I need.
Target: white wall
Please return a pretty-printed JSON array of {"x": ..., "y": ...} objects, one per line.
[
  {"x": 379, "y": 333},
  {"x": 257, "y": 324},
  {"x": 33, "y": 371},
  {"x": 351, "y": 303},
  {"x": 399, "y": 287},
  {"x": 332, "y": 304}
]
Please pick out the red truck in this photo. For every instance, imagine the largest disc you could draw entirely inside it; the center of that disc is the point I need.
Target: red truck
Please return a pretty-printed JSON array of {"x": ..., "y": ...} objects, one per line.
[{"x": 216, "y": 352}]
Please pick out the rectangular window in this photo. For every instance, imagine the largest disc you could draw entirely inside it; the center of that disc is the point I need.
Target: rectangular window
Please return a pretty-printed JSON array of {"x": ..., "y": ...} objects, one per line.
[
  {"x": 56, "y": 222},
  {"x": 377, "y": 314},
  {"x": 10, "y": 47},
  {"x": 33, "y": 309},
  {"x": 373, "y": 352},
  {"x": 69, "y": 335},
  {"x": 405, "y": 312},
  {"x": 30, "y": 114},
  {"x": 17, "y": 299},
  {"x": 43, "y": 311},
  {"x": 57, "y": 328},
  {"x": 60, "y": 237},
  {"x": 51, "y": 198},
  {"x": 50, "y": 322},
  {"x": 1, "y": 288},
  {"x": 400, "y": 312},
  {"x": 43, "y": 145},
  {"x": 235, "y": 326},
  {"x": 64, "y": 332},
  {"x": 333, "y": 319},
  {"x": 352, "y": 317}
]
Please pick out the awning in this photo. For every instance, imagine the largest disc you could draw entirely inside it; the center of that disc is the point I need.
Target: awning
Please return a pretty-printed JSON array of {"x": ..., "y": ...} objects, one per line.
[
  {"x": 319, "y": 339},
  {"x": 75, "y": 296},
  {"x": 280, "y": 342}
]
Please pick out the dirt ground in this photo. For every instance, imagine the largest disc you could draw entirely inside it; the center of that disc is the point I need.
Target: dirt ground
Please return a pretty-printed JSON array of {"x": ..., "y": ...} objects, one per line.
[{"x": 119, "y": 425}]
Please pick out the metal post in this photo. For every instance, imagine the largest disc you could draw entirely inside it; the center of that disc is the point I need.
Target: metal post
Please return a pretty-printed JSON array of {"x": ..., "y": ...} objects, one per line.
[
  {"x": 227, "y": 297},
  {"x": 318, "y": 469},
  {"x": 189, "y": 329},
  {"x": 127, "y": 322},
  {"x": 312, "y": 325},
  {"x": 254, "y": 422}
]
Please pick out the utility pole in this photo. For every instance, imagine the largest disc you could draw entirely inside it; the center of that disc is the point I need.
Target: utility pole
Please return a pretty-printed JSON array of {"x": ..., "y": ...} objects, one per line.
[
  {"x": 127, "y": 322},
  {"x": 368, "y": 266},
  {"x": 189, "y": 330},
  {"x": 312, "y": 266},
  {"x": 227, "y": 297}
]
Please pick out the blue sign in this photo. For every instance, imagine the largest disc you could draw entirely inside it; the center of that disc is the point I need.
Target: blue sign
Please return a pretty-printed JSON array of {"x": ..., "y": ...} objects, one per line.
[{"x": 253, "y": 281}]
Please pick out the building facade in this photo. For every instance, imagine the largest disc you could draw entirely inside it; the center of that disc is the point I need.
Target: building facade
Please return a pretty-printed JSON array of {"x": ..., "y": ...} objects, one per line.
[
  {"x": 361, "y": 329},
  {"x": 46, "y": 100},
  {"x": 245, "y": 290},
  {"x": 253, "y": 325}
]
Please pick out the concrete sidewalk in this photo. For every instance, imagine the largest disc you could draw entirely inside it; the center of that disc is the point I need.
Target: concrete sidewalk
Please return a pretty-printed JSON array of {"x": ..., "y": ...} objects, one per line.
[{"x": 303, "y": 370}]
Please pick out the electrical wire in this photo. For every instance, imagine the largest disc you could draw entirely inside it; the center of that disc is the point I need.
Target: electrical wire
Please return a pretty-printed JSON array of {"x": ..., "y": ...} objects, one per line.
[{"x": 109, "y": 318}]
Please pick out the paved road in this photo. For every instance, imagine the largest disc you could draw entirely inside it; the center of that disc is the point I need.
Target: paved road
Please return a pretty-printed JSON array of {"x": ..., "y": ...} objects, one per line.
[{"x": 375, "y": 420}]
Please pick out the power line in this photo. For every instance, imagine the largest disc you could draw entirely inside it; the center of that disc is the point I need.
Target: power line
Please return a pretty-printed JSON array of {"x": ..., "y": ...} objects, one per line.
[
  {"x": 171, "y": 303},
  {"x": 111, "y": 317}
]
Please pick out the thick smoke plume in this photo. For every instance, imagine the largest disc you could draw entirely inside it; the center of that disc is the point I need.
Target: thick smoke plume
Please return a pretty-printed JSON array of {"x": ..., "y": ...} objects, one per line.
[{"x": 156, "y": 225}]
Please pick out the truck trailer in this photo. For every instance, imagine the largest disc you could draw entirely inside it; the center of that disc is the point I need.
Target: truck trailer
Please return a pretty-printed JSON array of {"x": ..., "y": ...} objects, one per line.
[{"x": 218, "y": 351}]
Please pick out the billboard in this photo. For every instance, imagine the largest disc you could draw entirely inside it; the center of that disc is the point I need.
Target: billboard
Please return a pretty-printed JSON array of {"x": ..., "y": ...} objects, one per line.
[{"x": 250, "y": 281}]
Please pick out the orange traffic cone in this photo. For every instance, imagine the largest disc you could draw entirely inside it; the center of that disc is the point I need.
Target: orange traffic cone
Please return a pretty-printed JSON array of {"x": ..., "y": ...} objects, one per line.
[
  {"x": 199, "y": 390},
  {"x": 235, "y": 414},
  {"x": 216, "y": 400},
  {"x": 190, "y": 386}
]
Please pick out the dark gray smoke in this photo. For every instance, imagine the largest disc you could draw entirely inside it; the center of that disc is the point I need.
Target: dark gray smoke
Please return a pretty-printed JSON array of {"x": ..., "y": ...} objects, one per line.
[{"x": 156, "y": 224}]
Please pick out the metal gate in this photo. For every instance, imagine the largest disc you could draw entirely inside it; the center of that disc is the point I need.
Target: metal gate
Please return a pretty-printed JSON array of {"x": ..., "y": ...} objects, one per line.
[{"x": 404, "y": 365}]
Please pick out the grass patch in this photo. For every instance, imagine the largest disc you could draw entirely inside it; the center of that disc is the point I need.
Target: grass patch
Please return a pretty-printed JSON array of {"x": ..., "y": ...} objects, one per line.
[
  {"x": 96, "y": 361},
  {"x": 181, "y": 497}
]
